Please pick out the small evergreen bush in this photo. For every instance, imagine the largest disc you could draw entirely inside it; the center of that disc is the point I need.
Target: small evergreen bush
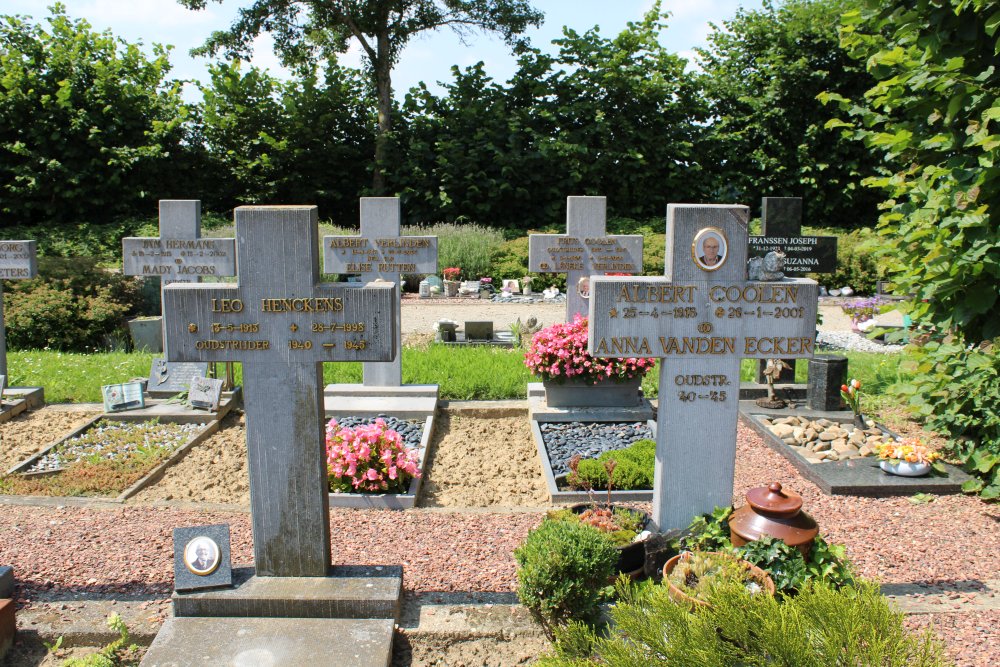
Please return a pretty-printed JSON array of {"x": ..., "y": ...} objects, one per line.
[
  {"x": 73, "y": 305},
  {"x": 634, "y": 469},
  {"x": 562, "y": 568},
  {"x": 468, "y": 246},
  {"x": 858, "y": 263},
  {"x": 822, "y": 626}
]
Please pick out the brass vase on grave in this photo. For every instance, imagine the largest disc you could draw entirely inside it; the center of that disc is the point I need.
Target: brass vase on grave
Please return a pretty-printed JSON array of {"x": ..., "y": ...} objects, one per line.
[{"x": 775, "y": 512}]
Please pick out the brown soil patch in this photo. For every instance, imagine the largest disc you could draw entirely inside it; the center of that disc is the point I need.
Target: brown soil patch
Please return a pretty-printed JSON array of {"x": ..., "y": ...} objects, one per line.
[
  {"x": 214, "y": 471},
  {"x": 475, "y": 652},
  {"x": 30, "y": 432},
  {"x": 483, "y": 463}
]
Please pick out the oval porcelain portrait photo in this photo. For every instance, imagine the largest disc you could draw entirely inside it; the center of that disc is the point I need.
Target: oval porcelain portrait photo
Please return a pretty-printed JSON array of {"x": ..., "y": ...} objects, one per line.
[
  {"x": 710, "y": 248},
  {"x": 201, "y": 555}
]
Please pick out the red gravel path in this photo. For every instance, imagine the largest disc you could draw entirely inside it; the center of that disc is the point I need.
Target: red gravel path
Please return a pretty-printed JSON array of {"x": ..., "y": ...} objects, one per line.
[{"x": 128, "y": 550}]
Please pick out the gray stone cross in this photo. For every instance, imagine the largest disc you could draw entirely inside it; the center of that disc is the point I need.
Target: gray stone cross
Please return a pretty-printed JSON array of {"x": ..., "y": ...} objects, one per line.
[
  {"x": 179, "y": 255},
  {"x": 18, "y": 261},
  {"x": 380, "y": 253},
  {"x": 281, "y": 322},
  {"x": 701, "y": 319},
  {"x": 584, "y": 250}
]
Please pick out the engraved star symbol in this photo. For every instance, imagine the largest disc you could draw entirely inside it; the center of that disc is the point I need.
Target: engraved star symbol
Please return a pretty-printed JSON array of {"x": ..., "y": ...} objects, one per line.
[
  {"x": 613, "y": 313},
  {"x": 193, "y": 328},
  {"x": 294, "y": 327}
]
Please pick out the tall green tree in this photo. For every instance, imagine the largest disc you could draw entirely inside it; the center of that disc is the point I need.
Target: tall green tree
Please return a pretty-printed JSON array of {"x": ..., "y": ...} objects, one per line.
[
  {"x": 89, "y": 126},
  {"x": 305, "y": 28},
  {"x": 762, "y": 72},
  {"x": 615, "y": 116}
]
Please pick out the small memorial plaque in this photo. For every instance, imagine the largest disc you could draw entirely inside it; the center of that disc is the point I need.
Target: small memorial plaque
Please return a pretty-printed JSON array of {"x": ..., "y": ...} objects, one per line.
[
  {"x": 174, "y": 377},
  {"x": 202, "y": 557},
  {"x": 18, "y": 260},
  {"x": 479, "y": 330},
  {"x": 204, "y": 393},
  {"x": 124, "y": 396}
]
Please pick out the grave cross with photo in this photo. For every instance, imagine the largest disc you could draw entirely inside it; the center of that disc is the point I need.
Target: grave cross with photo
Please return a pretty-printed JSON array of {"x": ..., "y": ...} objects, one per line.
[
  {"x": 281, "y": 322},
  {"x": 584, "y": 250},
  {"x": 701, "y": 319},
  {"x": 380, "y": 253}
]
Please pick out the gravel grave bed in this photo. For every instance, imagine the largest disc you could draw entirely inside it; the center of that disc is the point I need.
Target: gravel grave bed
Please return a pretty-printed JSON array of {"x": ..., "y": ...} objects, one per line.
[
  {"x": 30, "y": 432},
  {"x": 590, "y": 439}
]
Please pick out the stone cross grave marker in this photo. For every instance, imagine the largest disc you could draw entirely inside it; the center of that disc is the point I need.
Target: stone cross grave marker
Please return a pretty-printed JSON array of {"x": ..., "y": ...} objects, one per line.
[
  {"x": 701, "y": 319},
  {"x": 281, "y": 322},
  {"x": 781, "y": 230},
  {"x": 179, "y": 255},
  {"x": 584, "y": 250},
  {"x": 18, "y": 261},
  {"x": 380, "y": 253}
]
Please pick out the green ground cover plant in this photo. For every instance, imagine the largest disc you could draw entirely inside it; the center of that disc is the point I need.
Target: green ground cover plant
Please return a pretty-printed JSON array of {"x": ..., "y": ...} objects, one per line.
[
  {"x": 633, "y": 469},
  {"x": 821, "y": 626}
]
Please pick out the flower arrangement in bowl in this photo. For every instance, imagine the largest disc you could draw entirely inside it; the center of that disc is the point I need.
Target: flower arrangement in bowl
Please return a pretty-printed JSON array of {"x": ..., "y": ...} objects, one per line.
[
  {"x": 370, "y": 458},
  {"x": 863, "y": 310},
  {"x": 559, "y": 352},
  {"x": 908, "y": 457},
  {"x": 691, "y": 575}
]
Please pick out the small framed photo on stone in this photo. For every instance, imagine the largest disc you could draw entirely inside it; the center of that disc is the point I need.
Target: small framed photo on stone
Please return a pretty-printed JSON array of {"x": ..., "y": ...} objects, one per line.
[
  {"x": 512, "y": 285},
  {"x": 204, "y": 393},
  {"x": 202, "y": 557},
  {"x": 710, "y": 249}
]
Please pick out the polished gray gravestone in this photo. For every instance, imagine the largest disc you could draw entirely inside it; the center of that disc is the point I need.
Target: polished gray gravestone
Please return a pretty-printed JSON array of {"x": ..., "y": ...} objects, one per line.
[
  {"x": 584, "y": 250},
  {"x": 380, "y": 253},
  {"x": 700, "y": 321},
  {"x": 281, "y": 322},
  {"x": 781, "y": 231},
  {"x": 179, "y": 254}
]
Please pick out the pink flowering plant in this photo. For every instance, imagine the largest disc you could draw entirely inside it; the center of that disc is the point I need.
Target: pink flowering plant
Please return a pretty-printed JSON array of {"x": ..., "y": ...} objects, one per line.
[
  {"x": 369, "y": 458},
  {"x": 559, "y": 352}
]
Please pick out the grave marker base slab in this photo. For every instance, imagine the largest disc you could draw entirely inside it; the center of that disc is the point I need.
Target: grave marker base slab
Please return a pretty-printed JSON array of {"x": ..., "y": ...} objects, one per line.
[
  {"x": 347, "y": 592},
  {"x": 185, "y": 642},
  {"x": 854, "y": 477},
  {"x": 538, "y": 410},
  {"x": 18, "y": 399},
  {"x": 415, "y": 401},
  {"x": 177, "y": 413}
]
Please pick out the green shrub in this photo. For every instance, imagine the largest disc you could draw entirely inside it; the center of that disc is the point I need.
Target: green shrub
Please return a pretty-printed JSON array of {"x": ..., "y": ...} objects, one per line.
[
  {"x": 634, "y": 469},
  {"x": 858, "y": 264},
  {"x": 822, "y": 626},
  {"x": 956, "y": 391},
  {"x": 468, "y": 246},
  {"x": 72, "y": 306},
  {"x": 562, "y": 568}
]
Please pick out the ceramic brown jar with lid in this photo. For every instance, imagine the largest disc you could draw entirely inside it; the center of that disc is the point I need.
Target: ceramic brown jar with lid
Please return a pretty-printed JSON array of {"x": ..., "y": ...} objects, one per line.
[{"x": 775, "y": 512}]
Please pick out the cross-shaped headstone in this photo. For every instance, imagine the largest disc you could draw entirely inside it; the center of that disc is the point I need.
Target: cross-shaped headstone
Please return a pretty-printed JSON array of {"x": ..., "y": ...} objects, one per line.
[
  {"x": 281, "y": 322},
  {"x": 701, "y": 319},
  {"x": 18, "y": 261},
  {"x": 380, "y": 253},
  {"x": 781, "y": 231},
  {"x": 179, "y": 255},
  {"x": 584, "y": 250}
]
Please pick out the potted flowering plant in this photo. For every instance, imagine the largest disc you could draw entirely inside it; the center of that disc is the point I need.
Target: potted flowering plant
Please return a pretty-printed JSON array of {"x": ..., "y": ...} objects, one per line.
[
  {"x": 369, "y": 458},
  {"x": 451, "y": 275},
  {"x": 863, "y": 311},
  {"x": 573, "y": 378},
  {"x": 908, "y": 457}
]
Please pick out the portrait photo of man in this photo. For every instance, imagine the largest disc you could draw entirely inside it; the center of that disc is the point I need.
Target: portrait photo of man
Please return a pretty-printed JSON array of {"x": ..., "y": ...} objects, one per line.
[
  {"x": 709, "y": 249},
  {"x": 201, "y": 555}
]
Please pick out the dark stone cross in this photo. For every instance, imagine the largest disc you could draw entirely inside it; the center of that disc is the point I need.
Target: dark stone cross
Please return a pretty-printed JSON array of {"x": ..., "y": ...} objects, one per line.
[
  {"x": 380, "y": 253},
  {"x": 281, "y": 322},
  {"x": 18, "y": 261},
  {"x": 781, "y": 230},
  {"x": 584, "y": 249},
  {"x": 701, "y": 319}
]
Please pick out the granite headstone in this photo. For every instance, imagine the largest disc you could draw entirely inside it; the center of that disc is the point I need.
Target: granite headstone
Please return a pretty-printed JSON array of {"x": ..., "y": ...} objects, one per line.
[
  {"x": 18, "y": 261},
  {"x": 202, "y": 557}
]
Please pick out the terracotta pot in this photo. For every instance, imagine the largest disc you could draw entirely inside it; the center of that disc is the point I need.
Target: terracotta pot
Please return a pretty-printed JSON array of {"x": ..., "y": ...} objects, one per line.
[
  {"x": 678, "y": 595},
  {"x": 631, "y": 557},
  {"x": 775, "y": 512}
]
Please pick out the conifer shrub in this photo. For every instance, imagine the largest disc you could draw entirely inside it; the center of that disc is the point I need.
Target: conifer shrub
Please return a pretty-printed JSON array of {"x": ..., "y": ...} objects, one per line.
[{"x": 562, "y": 568}]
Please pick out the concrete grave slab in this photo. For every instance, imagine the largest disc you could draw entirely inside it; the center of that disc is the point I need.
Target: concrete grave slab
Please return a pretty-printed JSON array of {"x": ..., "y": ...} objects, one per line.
[{"x": 19, "y": 399}]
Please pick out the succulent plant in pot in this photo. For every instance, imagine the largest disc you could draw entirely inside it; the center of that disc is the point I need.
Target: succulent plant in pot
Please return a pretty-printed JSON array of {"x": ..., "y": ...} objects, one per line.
[{"x": 692, "y": 575}]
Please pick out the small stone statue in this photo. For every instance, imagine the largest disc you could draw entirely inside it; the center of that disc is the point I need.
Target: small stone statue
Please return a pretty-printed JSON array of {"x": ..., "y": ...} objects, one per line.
[
  {"x": 772, "y": 371},
  {"x": 769, "y": 267}
]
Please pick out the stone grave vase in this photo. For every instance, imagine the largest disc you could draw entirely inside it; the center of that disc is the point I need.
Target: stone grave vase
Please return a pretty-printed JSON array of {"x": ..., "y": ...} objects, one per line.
[
  {"x": 577, "y": 393},
  {"x": 451, "y": 288}
]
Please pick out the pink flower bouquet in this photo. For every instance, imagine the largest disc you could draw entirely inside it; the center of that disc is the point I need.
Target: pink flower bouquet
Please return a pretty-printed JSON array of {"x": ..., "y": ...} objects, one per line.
[
  {"x": 369, "y": 458},
  {"x": 559, "y": 352}
]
